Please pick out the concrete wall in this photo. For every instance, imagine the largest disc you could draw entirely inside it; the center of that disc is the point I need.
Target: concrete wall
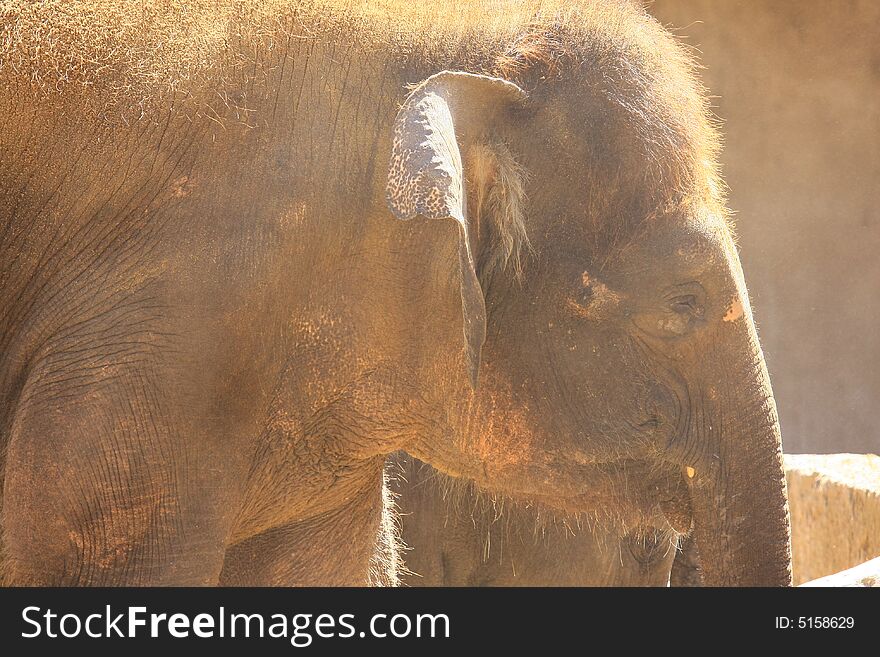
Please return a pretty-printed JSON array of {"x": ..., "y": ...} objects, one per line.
[
  {"x": 797, "y": 85},
  {"x": 864, "y": 575},
  {"x": 835, "y": 512}
]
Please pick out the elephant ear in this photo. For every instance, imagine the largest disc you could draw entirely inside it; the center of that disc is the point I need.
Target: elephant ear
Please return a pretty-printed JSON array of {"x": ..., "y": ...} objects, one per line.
[{"x": 426, "y": 177}]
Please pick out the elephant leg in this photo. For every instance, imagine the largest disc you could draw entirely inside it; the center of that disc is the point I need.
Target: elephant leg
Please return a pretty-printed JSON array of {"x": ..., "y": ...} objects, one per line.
[
  {"x": 104, "y": 485},
  {"x": 345, "y": 546}
]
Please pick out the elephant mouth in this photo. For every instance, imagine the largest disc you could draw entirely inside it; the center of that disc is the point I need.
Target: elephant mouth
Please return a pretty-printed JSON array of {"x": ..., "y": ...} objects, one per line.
[
  {"x": 677, "y": 508},
  {"x": 632, "y": 493}
]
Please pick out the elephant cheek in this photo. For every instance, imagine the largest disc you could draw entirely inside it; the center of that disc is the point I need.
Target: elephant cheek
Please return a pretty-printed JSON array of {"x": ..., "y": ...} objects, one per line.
[{"x": 505, "y": 445}]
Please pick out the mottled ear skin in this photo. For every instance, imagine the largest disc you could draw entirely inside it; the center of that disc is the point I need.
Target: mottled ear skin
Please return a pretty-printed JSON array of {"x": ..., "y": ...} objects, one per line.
[{"x": 426, "y": 176}]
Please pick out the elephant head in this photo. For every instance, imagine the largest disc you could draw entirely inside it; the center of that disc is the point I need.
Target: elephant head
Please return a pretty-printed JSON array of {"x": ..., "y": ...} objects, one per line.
[{"x": 608, "y": 354}]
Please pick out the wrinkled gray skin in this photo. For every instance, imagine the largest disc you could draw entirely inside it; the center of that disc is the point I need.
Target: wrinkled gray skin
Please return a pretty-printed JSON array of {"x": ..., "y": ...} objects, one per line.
[{"x": 216, "y": 326}]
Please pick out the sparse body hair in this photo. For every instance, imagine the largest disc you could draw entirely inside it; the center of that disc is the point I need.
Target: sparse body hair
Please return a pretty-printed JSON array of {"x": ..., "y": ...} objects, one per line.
[{"x": 250, "y": 248}]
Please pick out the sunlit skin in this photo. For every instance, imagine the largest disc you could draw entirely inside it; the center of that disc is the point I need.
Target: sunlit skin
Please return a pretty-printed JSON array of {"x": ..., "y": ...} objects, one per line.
[{"x": 242, "y": 271}]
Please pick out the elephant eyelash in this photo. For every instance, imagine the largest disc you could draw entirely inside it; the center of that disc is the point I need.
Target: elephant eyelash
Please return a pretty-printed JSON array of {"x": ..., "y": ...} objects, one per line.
[
  {"x": 687, "y": 299},
  {"x": 685, "y": 303}
]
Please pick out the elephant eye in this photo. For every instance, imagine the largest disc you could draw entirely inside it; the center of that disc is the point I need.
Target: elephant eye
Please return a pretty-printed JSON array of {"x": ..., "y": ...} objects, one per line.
[
  {"x": 684, "y": 303},
  {"x": 687, "y": 302},
  {"x": 679, "y": 310}
]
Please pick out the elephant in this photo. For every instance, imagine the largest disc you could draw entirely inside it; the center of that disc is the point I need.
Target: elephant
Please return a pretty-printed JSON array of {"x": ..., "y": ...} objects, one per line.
[{"x": 247, "y": 252}]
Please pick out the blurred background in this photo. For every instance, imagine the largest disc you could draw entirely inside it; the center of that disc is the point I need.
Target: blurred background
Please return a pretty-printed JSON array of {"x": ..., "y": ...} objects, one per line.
[{"x": 797, "y": 86}]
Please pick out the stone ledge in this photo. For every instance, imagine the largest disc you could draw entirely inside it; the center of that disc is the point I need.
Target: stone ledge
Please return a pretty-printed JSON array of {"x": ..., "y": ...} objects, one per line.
[
  {"x": 865, "y": 574},
  {"x": 835, "y": 516}
]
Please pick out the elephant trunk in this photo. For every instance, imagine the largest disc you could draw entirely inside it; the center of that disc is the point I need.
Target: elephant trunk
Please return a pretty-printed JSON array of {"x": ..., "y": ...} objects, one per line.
[
  {"x": 741, "y": 522},
  {"x": 737, "y": 485}
]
